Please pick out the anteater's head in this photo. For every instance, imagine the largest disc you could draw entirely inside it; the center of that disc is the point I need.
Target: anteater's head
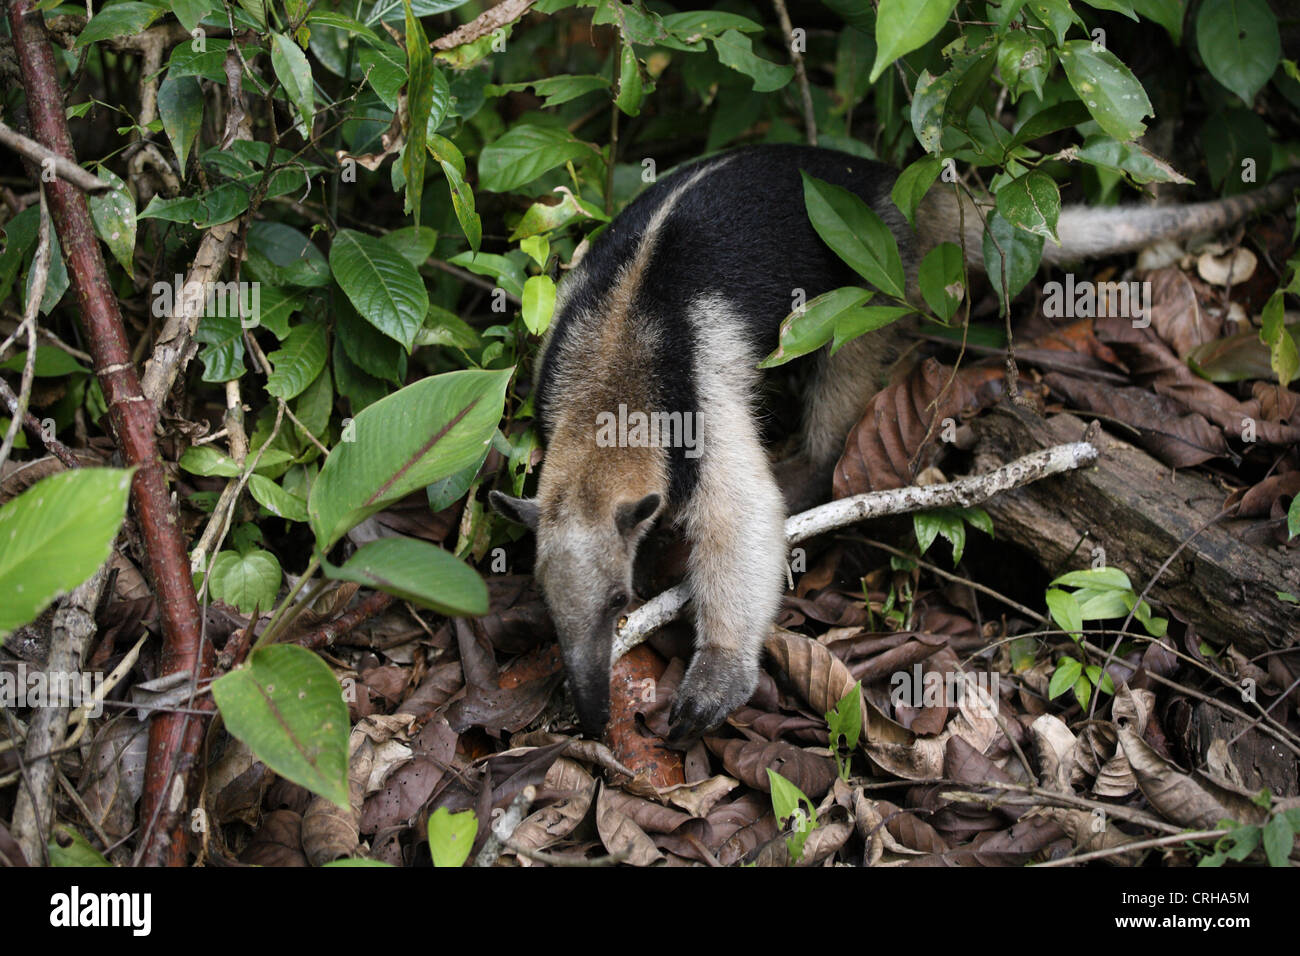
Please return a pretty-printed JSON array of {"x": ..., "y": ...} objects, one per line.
[{"x": 587, "y": 537}]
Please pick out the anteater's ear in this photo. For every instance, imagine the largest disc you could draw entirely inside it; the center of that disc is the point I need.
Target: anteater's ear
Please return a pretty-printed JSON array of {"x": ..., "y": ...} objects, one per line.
[
  {"x": 519, "y": 510},
  {"x": 630, "y": 514}
]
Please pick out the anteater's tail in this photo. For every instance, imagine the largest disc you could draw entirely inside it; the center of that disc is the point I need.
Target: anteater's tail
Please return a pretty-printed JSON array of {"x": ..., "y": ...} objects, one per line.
[{"x": 1092, "y": 233}]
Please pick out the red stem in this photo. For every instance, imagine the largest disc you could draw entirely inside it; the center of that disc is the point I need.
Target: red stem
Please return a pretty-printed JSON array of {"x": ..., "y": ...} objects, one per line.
[{"x": 173, "y": 738}]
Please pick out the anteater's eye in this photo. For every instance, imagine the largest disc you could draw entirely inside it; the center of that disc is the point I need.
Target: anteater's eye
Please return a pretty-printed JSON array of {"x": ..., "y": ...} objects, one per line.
[{"x": 617, "y": 601}]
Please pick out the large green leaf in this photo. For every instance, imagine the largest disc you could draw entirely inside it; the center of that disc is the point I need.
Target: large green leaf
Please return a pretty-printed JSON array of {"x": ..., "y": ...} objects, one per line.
[
  {"x": 855, "y": 233},
  {"x": 451, "y": 836},
  {"x": 385, "y": 289},
  {"x": 180, "y": 107},
  {"x": 1238, "y": 40},
  {"x": 286, "y": 706},
  {"x": 119, "y": 20},
  {"x": 904, "y": 25},
  {"x": 298, "y": 361},
  {"x": 419, "y": 93},
  {"x": 426, "y": 431},
  {"x": 525, "y": 152},
  {"x": 248, "y": 582},
  {"x": 294, "y": 73},
  {"x": 737, "y": 51},
  {"x": 1108, "y": 89},
  {"x": 113, "y": 212},
  {"x": 1032, "y": 202},
  {"x": 54, "y": 535},
  {"x": 416, "y": 571},
  {"x": 1022, "y": 251}
]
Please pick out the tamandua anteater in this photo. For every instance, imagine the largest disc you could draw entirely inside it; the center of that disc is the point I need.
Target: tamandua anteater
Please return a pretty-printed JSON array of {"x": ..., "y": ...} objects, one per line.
[{"x": 646, "y": 395}]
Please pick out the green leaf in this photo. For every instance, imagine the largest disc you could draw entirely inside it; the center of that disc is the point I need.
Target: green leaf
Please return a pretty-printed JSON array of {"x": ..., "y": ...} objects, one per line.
[
  {"x": 846, "y": 719},
  {"x": 1107, "y": 578},
  {"x": 77, "y": 851},
  {"x": 372, "y": 351},
  {"x": 384, "y": 65},
  {"x": 383, "y": 286},
  {"x": 525, "y": 152},
  {"x": 414, "y": 243},
  {"x": 1167, "y": 13},
  {"x": 788, "y": 803},
  {"x": 118, "y": 20},
  {"x": 451, "y": 836},
  {"x": 1022, "y": 60},
  {"x": 420, "y": 73},
  {"x": 1056, "y": 15},
  {"x": 1130, "y": 159},
  {"x": 539, "y": 303},
  {"x": 276, "y": 500},
  {"x": 1083, "y": 690},
  {"x": 1282, "y": 354},
  {"x": 54, "y": 535},
  {"x": 51, "y": 362},
  {"x": 808, "y": 329},
  {"x": 281, "y": 255},
  {"x": 941, "y": 279},
  {"x": 424, "y": 432},
  {"x": 1066, "y": 674},
  {"x": 180, "y": 107},
  {"x": 462, "y": 200},
  {"x": 1108, "y": 89},
  {"x": 206, "y": 460},
  {"x": 298, "y": 361},
  {"x": 736, "y": 50},
  {"x": 1021, "y": 249},
  {"x": 906, "y": 25},
  {"x": 113, "y": 212},
  {"x": 1065, "y": 610},
  {"x": 912, "y": 184},
  {"x": 855, "y": 233},
  {"x": 245, "y": 581},
  {"x": 1293, "y": 518},
  {"x": 1033, "y": 203},
  {"x": 1058, "y": 116},
  {"x": 418, "y": 572},
  {"x": 631, "y": 90},
  {"x": 855, "y": 322},
  {"x": 554, "y": 90},
  {"x": 294, "y": 73},
  {"x": 286, "y": 706},
  {"x": 223, "y": 356},
  {"x": 1239, "y": 42},
  {"x": 1278, "y": 840}
]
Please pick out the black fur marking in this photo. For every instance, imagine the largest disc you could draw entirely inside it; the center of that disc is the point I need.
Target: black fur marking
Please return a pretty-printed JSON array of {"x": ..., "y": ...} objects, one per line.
[{"x": 749, "y": 210}]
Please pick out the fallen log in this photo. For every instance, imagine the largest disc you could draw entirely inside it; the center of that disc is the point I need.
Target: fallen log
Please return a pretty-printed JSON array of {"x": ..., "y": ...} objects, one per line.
[{"x": 1140, "y": 512}]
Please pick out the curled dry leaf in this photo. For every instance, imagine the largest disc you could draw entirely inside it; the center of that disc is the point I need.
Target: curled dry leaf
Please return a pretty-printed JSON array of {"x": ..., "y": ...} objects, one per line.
[
  {"x": 897, "y": 437},
  {"x": 113, "y": 778},
  {"x": 328, "y": 832},
  {"x": 1092, "y": 831},
  {"x": 620, "y": 833},
  {"x": 1057, "y": 748},
  {"x": 408, "y": 782},
  {"x": 1176, "y": 315},
  {"x": 278, "y": 842},
  {"x": 1179, "y": 797},
  {"x": 552, "y": 823},
  {"x": 818, "y": 676},
  {"x": 750, "y": 761}
]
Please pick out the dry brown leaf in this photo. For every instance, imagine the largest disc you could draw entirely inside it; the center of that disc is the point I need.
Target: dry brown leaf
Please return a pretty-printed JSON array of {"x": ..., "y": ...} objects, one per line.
[
  {"x": 1056, "y": 747},
  {"x": 895, "y": 439},
  {"x": 620, "y": 833}
]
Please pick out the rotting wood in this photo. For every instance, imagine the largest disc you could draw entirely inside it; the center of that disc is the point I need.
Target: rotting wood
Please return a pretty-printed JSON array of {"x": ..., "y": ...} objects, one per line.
[{"x": 1139, "y": 512}]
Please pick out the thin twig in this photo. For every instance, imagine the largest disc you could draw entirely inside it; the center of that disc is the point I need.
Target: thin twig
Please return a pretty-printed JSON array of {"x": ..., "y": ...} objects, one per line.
[
  {"x": 47, "y": 158},
  {"x": 837, "y": 514},
  {"x": 805, "y": 92}
]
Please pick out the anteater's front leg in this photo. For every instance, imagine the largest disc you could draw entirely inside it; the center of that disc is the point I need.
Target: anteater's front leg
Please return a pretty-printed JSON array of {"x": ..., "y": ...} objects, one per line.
[{"x": 735, "y": 520}]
